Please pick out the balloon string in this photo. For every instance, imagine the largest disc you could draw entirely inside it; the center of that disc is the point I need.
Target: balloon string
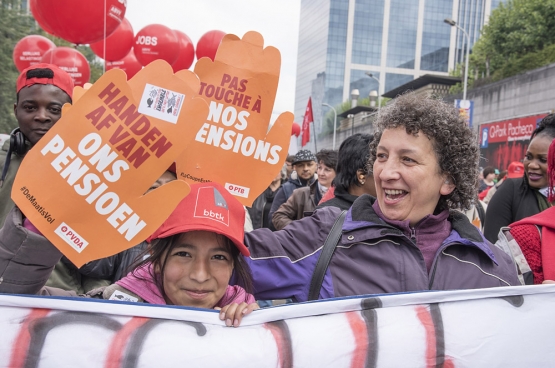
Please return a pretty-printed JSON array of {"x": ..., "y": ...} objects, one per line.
[{"x": 104, "y": 41}]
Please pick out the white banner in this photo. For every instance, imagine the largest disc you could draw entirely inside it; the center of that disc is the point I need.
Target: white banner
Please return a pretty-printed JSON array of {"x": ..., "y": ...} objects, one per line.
[{"x": 503, "y": 327}]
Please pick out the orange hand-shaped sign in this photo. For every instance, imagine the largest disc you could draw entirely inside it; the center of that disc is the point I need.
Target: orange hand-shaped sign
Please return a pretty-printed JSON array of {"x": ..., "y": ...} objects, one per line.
[
  {"x": 234, "y": 147},
  {"x": 83, "y": 184}
]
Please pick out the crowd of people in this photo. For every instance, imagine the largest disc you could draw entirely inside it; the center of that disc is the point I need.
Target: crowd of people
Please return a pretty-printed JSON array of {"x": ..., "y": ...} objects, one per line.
[{"x": 397, "y": 211}]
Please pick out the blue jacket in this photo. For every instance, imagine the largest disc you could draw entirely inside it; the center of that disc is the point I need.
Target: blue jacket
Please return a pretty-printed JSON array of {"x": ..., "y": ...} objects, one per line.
[{"x": 371, "y": 258}]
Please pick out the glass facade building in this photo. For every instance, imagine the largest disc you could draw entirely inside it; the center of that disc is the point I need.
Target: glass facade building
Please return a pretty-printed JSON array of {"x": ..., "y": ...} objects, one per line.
[{"x": 395, "y": 40}]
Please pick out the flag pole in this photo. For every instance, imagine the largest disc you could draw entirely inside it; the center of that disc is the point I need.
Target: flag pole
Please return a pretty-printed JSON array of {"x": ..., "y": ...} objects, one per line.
[{"x": 314, "y": 134}]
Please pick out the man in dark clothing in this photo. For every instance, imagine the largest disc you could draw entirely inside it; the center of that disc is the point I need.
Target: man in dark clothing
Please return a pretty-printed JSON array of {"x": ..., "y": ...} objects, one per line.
[
  {"x": 302, "y": 176},
  {"x": 42, "y": 90}
]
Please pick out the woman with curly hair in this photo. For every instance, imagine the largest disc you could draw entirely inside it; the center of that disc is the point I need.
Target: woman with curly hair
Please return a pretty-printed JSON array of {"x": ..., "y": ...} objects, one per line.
[
  {"x": 526, "y": 196},
  {"x": 424, "y": 160}
]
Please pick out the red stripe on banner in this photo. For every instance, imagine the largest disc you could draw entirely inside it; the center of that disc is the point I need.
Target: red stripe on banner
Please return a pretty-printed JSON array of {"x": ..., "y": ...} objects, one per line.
[
  {"x": 117, "y": 347},
  {"x": 283, "y": 343},
  {"x": 20, "y": 347},
  {"x": 426, "y": 319},
  {"x": 360, "y": 333}
]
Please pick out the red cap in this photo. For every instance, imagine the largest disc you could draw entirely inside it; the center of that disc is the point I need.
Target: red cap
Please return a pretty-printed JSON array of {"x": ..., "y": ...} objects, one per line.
[
  {"x": 209, "y": 207},
  {"x": 61, "y": 79},
  {"x": 515, "y": 170}
]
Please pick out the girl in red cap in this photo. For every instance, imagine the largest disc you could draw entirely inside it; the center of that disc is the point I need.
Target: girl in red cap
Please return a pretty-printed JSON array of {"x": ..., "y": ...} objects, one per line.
[{"x": 190, "y": 262}]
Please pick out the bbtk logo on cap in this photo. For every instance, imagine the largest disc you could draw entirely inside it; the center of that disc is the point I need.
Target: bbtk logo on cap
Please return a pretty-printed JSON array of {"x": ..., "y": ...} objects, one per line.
[{"x": 211, "y": 205}]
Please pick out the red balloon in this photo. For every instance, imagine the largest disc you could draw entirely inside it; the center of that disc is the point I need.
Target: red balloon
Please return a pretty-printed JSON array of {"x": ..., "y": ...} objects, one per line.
[
  {"x": 128, "y": 64},
  {"x": 80, "y": 22},
  {"x": 71, "y": 61},
  {"x": 209, "y": 43},
  {"x": 295, "y": 129},
  {"x": 118, "y": 44},
  {"x": 29, "y": 51},
  {"x": 156, "y": 41},
  {"x": 38, "y": 17},
  {"x": 186, "y": 52}
]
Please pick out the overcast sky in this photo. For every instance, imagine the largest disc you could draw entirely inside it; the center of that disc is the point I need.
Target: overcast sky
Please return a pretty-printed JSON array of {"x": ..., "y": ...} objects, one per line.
[{"x": 276, "y": 20}]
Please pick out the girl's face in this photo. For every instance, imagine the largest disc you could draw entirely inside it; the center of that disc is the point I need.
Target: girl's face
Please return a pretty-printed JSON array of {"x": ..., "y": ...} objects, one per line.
[
  {"x": 197, "y": 270},
  {"x": 535, "y": 161}
]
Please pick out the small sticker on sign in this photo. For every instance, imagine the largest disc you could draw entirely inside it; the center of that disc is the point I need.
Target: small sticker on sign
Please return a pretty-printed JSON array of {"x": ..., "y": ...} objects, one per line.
[
  {"x": 123, "y": 297},
  {"x": 237, "y": 190},
  {"x": 71, "y": 237},
  {"x": 161, "y": 103}
]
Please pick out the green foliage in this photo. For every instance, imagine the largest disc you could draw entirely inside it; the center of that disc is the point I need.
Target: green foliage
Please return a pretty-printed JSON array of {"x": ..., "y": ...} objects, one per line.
[
  {"x": 517, "y": 38},
  {"x": 15, "y": 24}
]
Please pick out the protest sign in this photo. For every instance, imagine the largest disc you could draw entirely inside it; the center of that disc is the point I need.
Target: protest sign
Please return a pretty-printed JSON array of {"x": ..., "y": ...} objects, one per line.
[
  {"x": 497, "y": 327},
  {"x": 235, "y": 146},
  {"x": 83, "y": 184}
]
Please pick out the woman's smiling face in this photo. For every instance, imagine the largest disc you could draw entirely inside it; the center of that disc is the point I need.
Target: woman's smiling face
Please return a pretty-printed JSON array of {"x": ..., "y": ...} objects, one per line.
[
  {"x": 535, "y": 161},
  {"x": 407, "y": 175},
  {"x": 197, "y": 270}
]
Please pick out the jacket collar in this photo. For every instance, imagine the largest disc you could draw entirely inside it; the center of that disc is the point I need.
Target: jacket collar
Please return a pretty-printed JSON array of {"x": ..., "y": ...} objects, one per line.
[{"x": 361, "y": 216}]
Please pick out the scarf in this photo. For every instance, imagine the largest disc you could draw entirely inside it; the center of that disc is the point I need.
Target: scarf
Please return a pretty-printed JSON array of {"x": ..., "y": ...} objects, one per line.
[
  {"x": 140, "y": 282},
  {"x": 546, "y": 220}
]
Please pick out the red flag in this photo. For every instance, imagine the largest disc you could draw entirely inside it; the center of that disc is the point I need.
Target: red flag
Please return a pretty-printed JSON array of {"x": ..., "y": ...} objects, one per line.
[{"x": 308, "y": 118}]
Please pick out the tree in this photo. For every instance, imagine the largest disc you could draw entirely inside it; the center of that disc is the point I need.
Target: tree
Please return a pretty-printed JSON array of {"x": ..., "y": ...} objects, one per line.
[
  {"x": 14, "y": 25},
  {"x": 515, "y": 29}
]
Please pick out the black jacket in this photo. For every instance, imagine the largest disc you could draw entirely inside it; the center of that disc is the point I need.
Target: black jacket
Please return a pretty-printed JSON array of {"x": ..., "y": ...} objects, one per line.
[
  {"x": 256, "y": 211},
  {"x": 341, "y": 199},
  {"x": 512, "y": 201}
]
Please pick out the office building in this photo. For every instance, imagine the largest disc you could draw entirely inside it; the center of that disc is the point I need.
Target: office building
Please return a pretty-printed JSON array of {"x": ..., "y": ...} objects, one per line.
[{"x": 394, "y": 40}]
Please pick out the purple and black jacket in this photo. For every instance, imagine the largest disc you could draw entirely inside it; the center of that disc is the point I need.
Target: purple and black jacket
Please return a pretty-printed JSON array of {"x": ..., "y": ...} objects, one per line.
[{"x": 372, "y": 257}]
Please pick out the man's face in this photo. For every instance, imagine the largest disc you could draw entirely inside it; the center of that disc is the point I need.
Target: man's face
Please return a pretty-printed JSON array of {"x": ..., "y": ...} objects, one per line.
[
  {"x": 305, "y": 169},
  {"x": 38, "y": 109}
]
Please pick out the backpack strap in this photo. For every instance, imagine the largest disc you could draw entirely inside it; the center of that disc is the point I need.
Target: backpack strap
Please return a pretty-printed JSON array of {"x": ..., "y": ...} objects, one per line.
[{"x": 325, "y": 257}]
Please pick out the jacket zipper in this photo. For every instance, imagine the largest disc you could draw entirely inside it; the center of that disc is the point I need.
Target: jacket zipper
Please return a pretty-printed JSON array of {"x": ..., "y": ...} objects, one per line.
[
  {"x": 413, "y": 235},
  {"x": 436, "y": 261}
]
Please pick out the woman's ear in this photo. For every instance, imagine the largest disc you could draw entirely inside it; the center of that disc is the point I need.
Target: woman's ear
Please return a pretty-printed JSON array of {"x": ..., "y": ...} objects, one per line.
[{"x": 448, "y": 186}]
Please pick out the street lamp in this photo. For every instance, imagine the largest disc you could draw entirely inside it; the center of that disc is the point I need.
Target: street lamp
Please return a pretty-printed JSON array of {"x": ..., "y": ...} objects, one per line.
[
  {"x": 334, "y": 122},
  {"x": 377, "y": 80},
  {"x": 452, "y": 23}
]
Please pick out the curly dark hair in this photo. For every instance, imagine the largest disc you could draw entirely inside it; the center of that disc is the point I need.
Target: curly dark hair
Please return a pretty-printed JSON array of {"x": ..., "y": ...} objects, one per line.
[{"x": 454, "y": 143}]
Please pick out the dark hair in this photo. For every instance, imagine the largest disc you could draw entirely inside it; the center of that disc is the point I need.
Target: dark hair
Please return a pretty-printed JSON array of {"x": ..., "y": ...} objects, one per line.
[
  {"x": 488, "y": 170},
  {"x": 545, "y": 127},
  {"x": 352, "y": 156},
  {"x": 328, "y": 157},
  {"x": 454, "y": 143},
  {"x": 39, "y": 73},
  {"x": 160, "y": 249},
  {"x": 502, "y": 174},
  {"x": 290, "y": 158}
]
